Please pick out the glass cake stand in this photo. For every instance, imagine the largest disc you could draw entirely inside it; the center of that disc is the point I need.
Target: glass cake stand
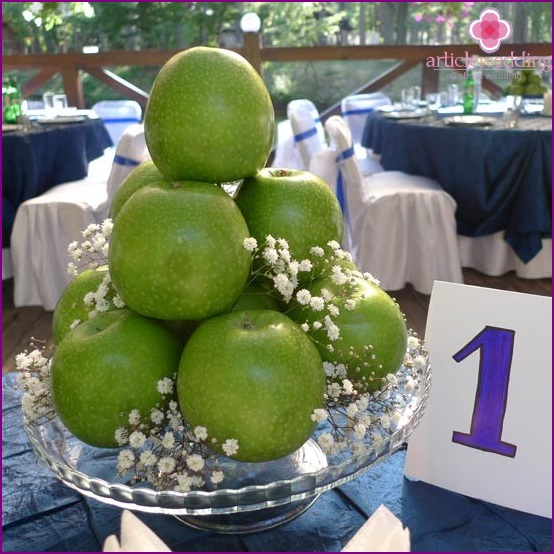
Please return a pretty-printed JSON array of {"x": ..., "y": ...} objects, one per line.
[{"x": 253, "y": 496}]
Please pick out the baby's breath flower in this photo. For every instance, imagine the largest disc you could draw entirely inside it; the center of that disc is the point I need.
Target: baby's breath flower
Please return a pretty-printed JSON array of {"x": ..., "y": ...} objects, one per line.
[
  {"x": 166, "y": 464},
  {"x": 326, "y": 294},
  {"x": 270, "y": 241},
  {"x": 201, "y": 433},
  {"x": 350, "y": 304},
  {"x": 347, "y": 386},
  {"x": 337, "y": 275},
  {"x": 385, "y": 421},
  {"x": 317, "y": 303},
  {"x": 392, "y": 379},
  {"x": 319, "y": 415},
  {"x": 413, "y": 342},
  {"x": 317, "y": 325},
  {"x": 184, "y": 483},
  {"x": 195, "y": 462},
  {"x": 250, "y": 243},
  {"x": 305, "y": 327},
  {"x": 333, "y": 331},
  {"x": 270, "y": 255},
  {"x": 168, "y": 440},
  {"x": 102, "y": 305},
  {"x": 334, "y": 245},
  {"x": 117, "y": 301},
  {"x": 134, "y": 417},
  {"x": 125, "y": 460},
  {"x": 165, "y": 386},
  {"x": 137, "y": 439},
  {"x": 326, "y": 441},
  {"x": 217, "y": 476},
  {"x": 351, "y": 410},
  {"x": 305, "y": 266},
  {"x": 317, "y": 251},
  {"x": 230, "y": 447},
  {"x": 148, "y": 458},
  {"x": 303, "y": 297},
  {"x": 156, "y": 416}
]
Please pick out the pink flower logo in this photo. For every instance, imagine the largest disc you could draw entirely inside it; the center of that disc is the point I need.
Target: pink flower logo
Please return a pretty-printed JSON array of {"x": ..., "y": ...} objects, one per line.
[{"x": 489, "y": 30}]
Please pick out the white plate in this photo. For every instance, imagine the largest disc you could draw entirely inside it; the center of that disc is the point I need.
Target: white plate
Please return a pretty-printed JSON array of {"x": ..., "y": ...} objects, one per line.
[
  {"x": 468, "y": 121},
  {"x": 62, "y": 120},
  {"x": 9, "y": 127},
  {"x": 406, "y": 114}
]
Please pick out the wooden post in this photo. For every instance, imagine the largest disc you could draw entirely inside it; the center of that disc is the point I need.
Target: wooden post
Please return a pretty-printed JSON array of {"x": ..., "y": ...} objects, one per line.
[
  {"x": 252, "y": 51},
  {"x": 430, "y": 80},
  {"x": 73, "y": 86}
]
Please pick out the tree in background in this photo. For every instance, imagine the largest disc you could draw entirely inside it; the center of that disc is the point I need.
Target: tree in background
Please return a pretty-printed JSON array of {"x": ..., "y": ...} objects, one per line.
[{"x": 68, "y": 26}]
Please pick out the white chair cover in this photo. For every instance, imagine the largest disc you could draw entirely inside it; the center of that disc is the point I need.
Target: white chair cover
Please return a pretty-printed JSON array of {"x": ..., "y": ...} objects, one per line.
[
  {"x": 7, "y": 266},
  {"x": 117, "y": 115},
  {"x": 355, "y": 109},
  {"x": 307, "y": 127},
  {"x": 286, "y": 152},
  {"x": 44, "y": 226},
  {"x": 492, "y": 255},
  {"x": 401, "y": 228}
]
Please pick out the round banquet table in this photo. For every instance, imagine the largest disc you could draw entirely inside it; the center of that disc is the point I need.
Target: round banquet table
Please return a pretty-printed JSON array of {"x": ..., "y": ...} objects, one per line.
[
  {"x": 500, "y": 178},
  {"x": 36, "y": 159},
  {"x": 39, "y": 513}
]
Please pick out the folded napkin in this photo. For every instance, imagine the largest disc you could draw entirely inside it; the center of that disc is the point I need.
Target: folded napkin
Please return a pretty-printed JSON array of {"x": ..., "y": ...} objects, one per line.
[
  {"x": 382, "y": 532},
  {"x": 135, "y": 537}
]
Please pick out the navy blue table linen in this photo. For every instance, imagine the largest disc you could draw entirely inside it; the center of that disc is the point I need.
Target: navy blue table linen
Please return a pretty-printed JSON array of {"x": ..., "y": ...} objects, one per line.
[{"x": 500, "y": 178}]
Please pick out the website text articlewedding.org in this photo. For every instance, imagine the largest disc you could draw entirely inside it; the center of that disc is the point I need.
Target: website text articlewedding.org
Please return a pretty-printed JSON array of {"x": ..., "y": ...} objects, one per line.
[{"x": 523, "y": 60}]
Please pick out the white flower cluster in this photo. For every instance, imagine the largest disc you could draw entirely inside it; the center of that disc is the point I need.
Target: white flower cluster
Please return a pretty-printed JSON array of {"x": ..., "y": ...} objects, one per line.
[
  {"x": 161, "y": 448},
  {"x": 357, "y": 422},
  {"x": 34, "y": 381},
  {"x": 277, "y": 264},
  {"x": 93, "y": 250},
  {"x": 104, "y": 298}
]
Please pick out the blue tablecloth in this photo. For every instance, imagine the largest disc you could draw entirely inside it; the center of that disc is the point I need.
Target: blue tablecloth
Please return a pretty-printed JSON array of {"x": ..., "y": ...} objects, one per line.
[
  {"x": 36, "y": 160},
  {"x": 39, "y": 513},
  {"x": 500, "y": 178}
]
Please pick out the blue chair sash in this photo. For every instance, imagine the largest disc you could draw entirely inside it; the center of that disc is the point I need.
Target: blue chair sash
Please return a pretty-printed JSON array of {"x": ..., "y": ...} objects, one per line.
[
  {"x": 344, "y": 155},
  {"x": 121, "y": 160},
  {"x": 358, "y": 111}
]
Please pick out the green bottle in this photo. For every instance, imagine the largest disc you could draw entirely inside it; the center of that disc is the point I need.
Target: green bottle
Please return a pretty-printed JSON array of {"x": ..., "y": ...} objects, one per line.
[
  {"x": 468, "y": 100},
  {"x": 11, "y": 101}
]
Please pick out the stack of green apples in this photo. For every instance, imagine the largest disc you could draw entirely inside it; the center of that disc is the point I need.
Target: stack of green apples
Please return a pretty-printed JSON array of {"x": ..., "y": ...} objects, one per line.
[
  {"x": 528, "y": 84},
  {"x": 188, "y": 307}
]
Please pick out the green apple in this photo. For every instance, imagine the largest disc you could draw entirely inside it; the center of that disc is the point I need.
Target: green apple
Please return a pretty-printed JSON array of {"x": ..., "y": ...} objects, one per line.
[
  {"x": 209, "y": 117},
  {"x": 371, "y": 318},
  {"x": 253, "y": 376},
  {"x": 291, "y": 204},
  {"x": 145, "y": 174},
  {"x": 71, "y": 306},
  {"x": 108, "y": 366},
  {"x": 176, "y": 251},
  {"x": 256, "y": 297}
]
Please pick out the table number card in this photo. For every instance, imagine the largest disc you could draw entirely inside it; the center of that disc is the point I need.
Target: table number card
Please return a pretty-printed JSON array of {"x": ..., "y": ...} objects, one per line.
[{"x": 487, "y": 428}]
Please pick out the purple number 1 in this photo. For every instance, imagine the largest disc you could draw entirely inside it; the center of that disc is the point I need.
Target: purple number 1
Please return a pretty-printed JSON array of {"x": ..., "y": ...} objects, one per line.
[{"x": 496, "y": 346}]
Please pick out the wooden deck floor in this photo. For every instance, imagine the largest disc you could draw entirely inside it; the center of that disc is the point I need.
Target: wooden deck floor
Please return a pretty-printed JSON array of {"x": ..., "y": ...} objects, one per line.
[{"x": 20, "y": 325}]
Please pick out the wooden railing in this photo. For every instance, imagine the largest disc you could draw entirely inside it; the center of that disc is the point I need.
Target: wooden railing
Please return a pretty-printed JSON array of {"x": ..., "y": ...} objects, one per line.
[{"x": 71, "y": 66}]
